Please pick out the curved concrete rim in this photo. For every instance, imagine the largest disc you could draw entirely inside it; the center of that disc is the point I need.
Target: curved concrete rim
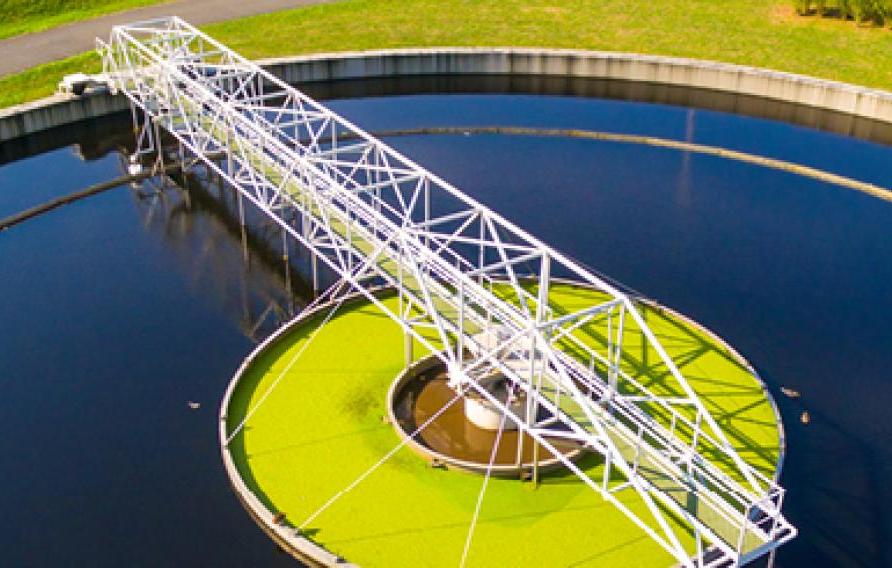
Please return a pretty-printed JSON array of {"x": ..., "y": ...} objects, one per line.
[
  {"x": 803, "y": 90},
  {"x": 288, "y": 538},
  {"x": 540, "y": 56},
  {"x": 311, "y": 553}
]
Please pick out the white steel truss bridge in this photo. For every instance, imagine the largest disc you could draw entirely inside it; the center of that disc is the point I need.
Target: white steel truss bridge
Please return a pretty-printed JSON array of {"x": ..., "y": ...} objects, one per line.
[{"x": 474, "y": 287}]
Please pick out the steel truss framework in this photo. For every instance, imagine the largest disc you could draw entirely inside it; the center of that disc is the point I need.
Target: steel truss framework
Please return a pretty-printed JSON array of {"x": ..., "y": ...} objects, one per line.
[{"x": 474, "y": 287}]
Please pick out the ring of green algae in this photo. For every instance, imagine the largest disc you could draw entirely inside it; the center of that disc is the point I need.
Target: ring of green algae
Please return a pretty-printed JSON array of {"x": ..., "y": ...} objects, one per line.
[{"x": 322, "y": 427}]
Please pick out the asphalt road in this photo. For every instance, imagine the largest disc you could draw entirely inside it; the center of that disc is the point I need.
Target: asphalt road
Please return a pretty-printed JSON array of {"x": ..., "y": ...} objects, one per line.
[{"x": 21, "y": 52}]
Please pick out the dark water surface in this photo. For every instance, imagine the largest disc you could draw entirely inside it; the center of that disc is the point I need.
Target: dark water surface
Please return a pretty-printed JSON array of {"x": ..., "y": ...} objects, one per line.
[{"x": 117, "y": 310}]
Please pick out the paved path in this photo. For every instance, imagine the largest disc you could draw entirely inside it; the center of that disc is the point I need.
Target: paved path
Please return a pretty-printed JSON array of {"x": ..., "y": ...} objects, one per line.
[{"x": 20, "y": 52}]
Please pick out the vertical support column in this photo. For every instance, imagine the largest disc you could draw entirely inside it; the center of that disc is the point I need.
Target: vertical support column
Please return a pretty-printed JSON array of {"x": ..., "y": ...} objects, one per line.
[
  {"x": 287, "y": 267},
  {"x": 349, "y": 254},
  {"x": 614, "y": 354},
  {"x": 520, "y": 437},
  {"x": 427, "y": 210},
  {"x": 145, "y": 142},
  {"x": 460, "y": 340},
  {"x": 617, "y": 352},
  {"x": 481, "y": 256},
  {"x": 404, "y": 307},
  {"x": 408, "y": 344},
  {"x": 241, "y": 211},
  {"x": 181, "y": 158},
  {"x": 607, "y": 393},
  {"x": 314, "y": 268},
  {"x": 159, "y": 161},
  {"x": 306, "y": 230},
  {"x": 697, "y": 426},
  {"x": 536, "y": 376}
]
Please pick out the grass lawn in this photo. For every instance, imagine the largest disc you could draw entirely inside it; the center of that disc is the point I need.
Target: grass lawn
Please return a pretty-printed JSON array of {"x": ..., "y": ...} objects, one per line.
[
  {"x": 28, "y": 16},
  {"x": 764, "y": 33},
  {"x": 321, "y": 428}
]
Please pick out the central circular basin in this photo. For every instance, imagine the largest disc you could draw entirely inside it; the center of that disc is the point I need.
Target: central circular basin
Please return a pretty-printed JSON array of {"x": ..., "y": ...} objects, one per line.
[{"x": 463, "y": 428}]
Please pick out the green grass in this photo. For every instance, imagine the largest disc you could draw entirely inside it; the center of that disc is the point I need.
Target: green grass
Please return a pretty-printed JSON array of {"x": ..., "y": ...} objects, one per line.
[
  {"x": 764, "y": 33},
  {"x": 27, "y": 16},
  {"x": 321, "y": 428},
  {"x": 753, "y": 32},
  {"x": 41, "y": 81}
]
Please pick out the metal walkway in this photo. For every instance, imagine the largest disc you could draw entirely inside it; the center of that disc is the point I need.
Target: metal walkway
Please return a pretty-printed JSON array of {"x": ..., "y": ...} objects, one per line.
[{"x": 474, "y": 287}]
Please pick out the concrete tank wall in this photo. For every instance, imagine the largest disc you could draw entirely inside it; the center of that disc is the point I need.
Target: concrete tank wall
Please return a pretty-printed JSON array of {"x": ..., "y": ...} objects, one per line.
[{"x": 874, "y": 104}]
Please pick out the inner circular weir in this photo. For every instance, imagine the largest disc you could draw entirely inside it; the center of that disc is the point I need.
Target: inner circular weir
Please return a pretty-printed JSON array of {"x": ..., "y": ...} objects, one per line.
[{"x": 464, "y": 434}]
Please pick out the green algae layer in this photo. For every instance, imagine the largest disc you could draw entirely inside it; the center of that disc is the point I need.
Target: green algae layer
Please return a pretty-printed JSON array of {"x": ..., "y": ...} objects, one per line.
[{"x": 321, "y": 428}]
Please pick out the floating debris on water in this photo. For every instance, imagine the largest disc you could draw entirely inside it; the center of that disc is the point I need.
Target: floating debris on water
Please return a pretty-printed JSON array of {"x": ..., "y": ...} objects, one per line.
[{"x": 792, "y": 393}]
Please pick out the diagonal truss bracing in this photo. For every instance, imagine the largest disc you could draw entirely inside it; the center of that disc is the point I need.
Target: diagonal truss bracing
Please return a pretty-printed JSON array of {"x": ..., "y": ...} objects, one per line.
[{"x": 475, "y": 288}]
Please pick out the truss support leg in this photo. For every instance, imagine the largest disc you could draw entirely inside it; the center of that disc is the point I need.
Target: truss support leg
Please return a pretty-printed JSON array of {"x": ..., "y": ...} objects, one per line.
[
  {"x": 314, "y": 268},
  {"x": 408, "y": 347},
  {"x": 241, "y": 220},
  {"x": 520, "y": 455},
  {"x": 535, "y": 464},
  {"x": 537, "y": 448},
  {"x": 145, "y": 138},
  {"x": 287, "y": 268},
  {"x": 159, "y": 165},
  {"x": 181, "y": 164}
]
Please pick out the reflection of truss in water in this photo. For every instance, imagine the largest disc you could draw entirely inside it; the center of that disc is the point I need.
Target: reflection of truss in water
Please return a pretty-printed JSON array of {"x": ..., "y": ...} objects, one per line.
[
  {"x": 474, "y": 288},
  {"x": 241, "y": 265}
]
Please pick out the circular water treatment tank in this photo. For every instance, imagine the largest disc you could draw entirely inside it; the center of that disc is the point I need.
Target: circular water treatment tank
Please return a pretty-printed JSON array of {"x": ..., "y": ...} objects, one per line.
[{"x": 321, "y": 465}]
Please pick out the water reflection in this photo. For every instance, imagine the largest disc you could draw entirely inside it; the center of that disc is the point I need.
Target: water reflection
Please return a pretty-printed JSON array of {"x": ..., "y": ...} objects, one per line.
[
  {"x": 683, "y": 196},
  {"x": 246, "y": 267},
  {"x": 229, "y": 251}
]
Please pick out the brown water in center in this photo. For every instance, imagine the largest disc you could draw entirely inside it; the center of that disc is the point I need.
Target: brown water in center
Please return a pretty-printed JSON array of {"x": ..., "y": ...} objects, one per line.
[{"x": 451, "y": 433}]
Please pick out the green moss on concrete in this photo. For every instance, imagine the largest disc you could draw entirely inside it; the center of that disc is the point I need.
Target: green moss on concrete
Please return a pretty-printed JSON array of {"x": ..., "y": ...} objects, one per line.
[{"x": 322, "y": 427}]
